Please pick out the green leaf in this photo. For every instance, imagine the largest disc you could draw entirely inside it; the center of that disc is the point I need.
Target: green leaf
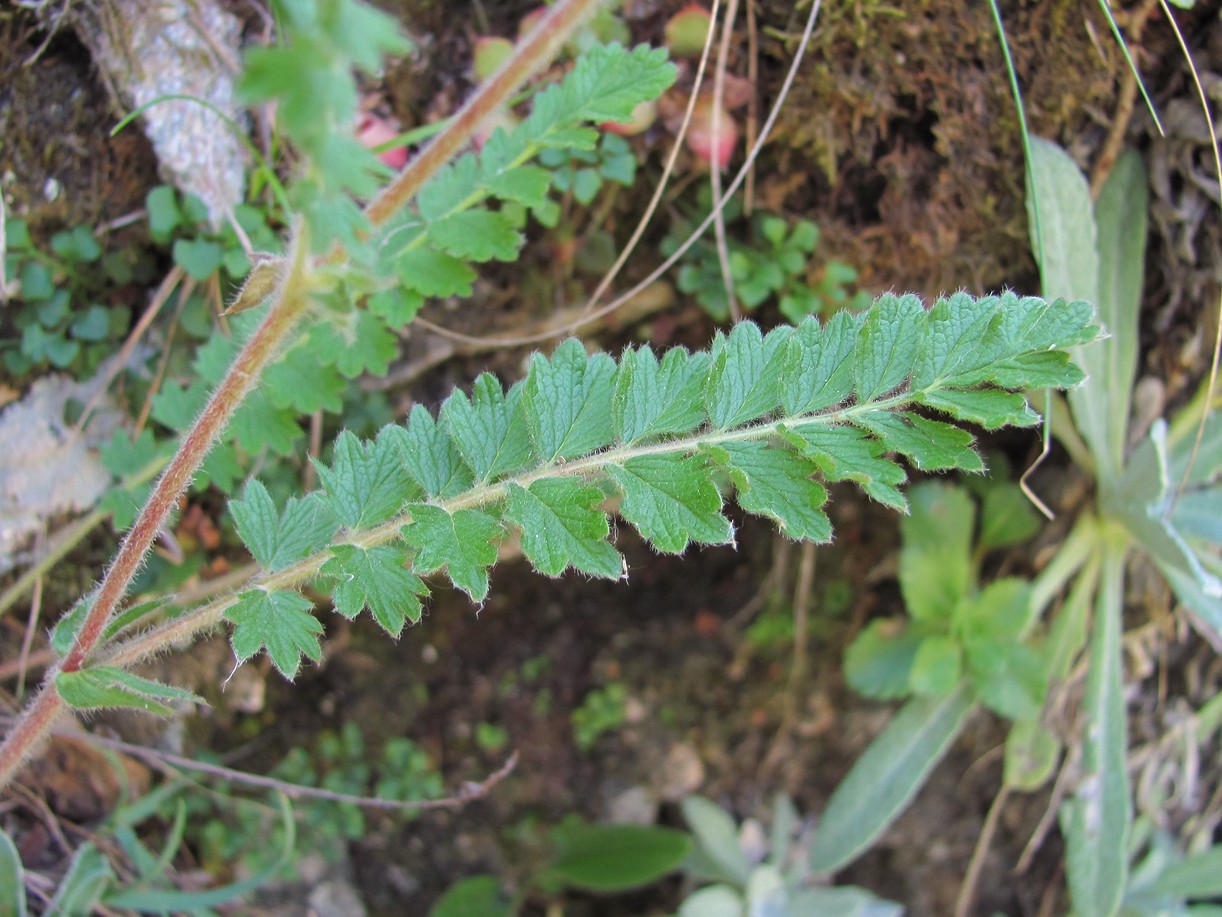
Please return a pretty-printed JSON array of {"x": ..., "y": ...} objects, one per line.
[
  {"x": 563, "y": 527},
  {"x": 886, "y": 777},
  {"x": 108, "y": 686},
  {"x": 200, "y": 258},
  {"x": 952, "y": 338},
  {"x": 259, "y": 424},
  {"x": 476, "y": 235},
  {"x": 304, "y": 381},
  {"x": 847, "y": 454},
  {"x": 936, "y": 666},
  {"x": 430, "y": 456},
  {"x": 819, "y": 366},
  {"x": 745, "y": 374},
  {"x": 887, "y": 345},
  {"x": 355, "y": 342},
  {"x": 990, "y": 408},
  {"x": 375, "y": 578},
  {"x": 161, "y": 205},
  {"x": 610, "y": 858},
  {"x": 366, "y": 483},
  {"x": 672, "y": 501},
  {"x": 1032, "y": 752},
  {"x": 463, "y": 542},
  {"x": 82, "y": 886},
  {"x": 278, "y": 540},
  {"x": 653, "y": 398},
  {"x": 526, "y": 185},
  {"x": 929, "y": 444},
  {"x": 475, "y": 896},
  {"x": 717, "y": 836},
  {"x": 280, "y": 621},
  {"x": 775, "y": 483},
  {"x": 490, "y": 429},
  {"x": 1096, "y": 821},
  {"x": 433, "y": 273},
  {"x": 936, "y": 569},
  {"x": 1198, "y": 875},
  {"x": 568, "y": 402},
  {"x": 12, "y": 879},
  {"x": 878, "y": 663}
]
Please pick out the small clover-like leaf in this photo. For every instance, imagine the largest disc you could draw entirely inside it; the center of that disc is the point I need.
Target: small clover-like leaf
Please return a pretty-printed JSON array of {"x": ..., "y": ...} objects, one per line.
[
  {"x": 562, "y": 527},
  {"x": 375, "y": 578},
  {"x": 462, "y": 542},
  {"x": 280, "y": 621},
  {"x": 672, "y": 501}
]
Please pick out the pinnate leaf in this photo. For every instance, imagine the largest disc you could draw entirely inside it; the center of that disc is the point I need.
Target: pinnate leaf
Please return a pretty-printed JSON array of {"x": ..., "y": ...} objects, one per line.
[
  {"x": 430, "y": 456},
  {"x": 887, "y": 345},
  {"x": 990, "y": 408},
  {"x": 776, "y": 483},
  {"x": 929, "y": 444},
  {"x": 848, "y": 454},
  {"x": 745, "y": 374},
  {"x": 563, "y": 527},
  {"x": 652, "y": 398},
  {"x": 568, "y": 401},
  {"x": 366, "y": 482},
  {"x": 375, "y": 578},
  {"x": 672, "y": 501},
  {"x": 489, "y": 430},
  {"x": 818, "y": 364},
  {"x": 280, "y": 621},
  {"x": 277, "y": 540},
  {"x": 462, "y": 542}
]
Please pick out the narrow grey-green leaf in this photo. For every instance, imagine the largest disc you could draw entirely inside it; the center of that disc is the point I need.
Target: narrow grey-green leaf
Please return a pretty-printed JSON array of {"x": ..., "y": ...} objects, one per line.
[
  {"x": 776, "y": 483},
  {"x": 652, "y": 398},
  {"x": 887, "y": 345},
  {"x": 563, "y": 527},
  {"x": 886, "y": 777},
  {"x": 109, "y": 686},
  {"x": 12, "y": 879},
  {"x": 430, "y": 455},
  {"x": 745, "y": 374},
  {"x": 717, "y": 835},
  {"x": 1096, "y": 821},
  {"x": 819, "y": 365},
  {"x": 672, "y": 500},
  {"x": 366, "y": 482},
  {"x": 462, "y": 542},
  {"x": 489, "y": 430},
  {"x": 844, "y": 453},
  {"x": 568, "y": 401},
  {"x": 375, "y": 578},
  {"x": 82, "y": 886},
  {"x": 988, "y": 407},
  {"x": 929, "y": 444}
]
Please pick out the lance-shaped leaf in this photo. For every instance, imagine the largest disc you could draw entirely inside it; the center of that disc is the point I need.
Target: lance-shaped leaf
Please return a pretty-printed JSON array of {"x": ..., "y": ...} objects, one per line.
[
  {"x": 276, "y": 540},
  {"x": 776, "y": 483},
  {"x": 375, "y": 578},
  {"x": 366, "y": 482},
  {"x": 280, "y": 621},
  {"x": 109, "y": 686},
  {"x": 490, "y": 429},
  {"x": 462, "y": 542},
  {"x": 568, "y": 401},
  {"x": 562, "y": 527},
  {"x": 672, "y": 501}
]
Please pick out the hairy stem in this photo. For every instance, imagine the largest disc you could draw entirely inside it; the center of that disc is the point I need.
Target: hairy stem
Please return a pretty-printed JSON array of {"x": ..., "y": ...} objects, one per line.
[{"x": 286, "y": 308}]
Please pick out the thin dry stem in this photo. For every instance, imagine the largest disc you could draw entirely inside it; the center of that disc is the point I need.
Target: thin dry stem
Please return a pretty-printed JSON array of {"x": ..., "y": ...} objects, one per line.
[{"x": 719, "y": 223}]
